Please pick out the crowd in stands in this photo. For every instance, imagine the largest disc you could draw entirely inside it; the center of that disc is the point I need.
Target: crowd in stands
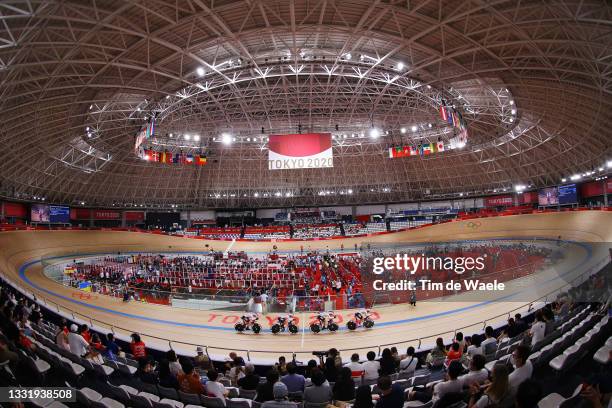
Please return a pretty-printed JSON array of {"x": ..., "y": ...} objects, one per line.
[
  {"x": 496, "y": 369},
  {"x": 269, "y": 232},
  {"x": 316, "y": 231}
]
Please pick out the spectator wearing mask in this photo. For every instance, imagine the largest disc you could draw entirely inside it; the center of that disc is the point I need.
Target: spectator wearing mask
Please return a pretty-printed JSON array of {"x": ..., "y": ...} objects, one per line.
[
  {"x": 409, "y": 363},
  {"x": 371, "y": 367},
  {"x": 391, "y": 395},
  {"x": 355, "y": 366},
  {"x": 265, "y": 390},
  {"x": 522, "y": 368},
  {"x": 250, "y": 381},
  {"x": 214, "y": 388},
  {"x": 477, "y": 373},
  {"x": 78, "y": 345},
  {"x": 495, "y": 392},
  {"x": 295, "y": 382},
  {"x": 319, "y": 391}
]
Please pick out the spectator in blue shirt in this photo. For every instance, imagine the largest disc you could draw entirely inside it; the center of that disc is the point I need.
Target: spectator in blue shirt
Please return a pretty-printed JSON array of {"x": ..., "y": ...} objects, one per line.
[{"x": 295, "y": 382}]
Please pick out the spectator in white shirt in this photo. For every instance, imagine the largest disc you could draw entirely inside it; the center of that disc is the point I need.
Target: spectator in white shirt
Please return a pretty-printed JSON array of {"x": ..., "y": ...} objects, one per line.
[
  {"x": 538, "y": 328},
  {"x": 409, "y": 364},
  {"x": 475, "y": 347},
  {"x": 522, "y": 368},
  {"x": 371, "y": 367},
  {"x": 489, "y": 339},
  {"x": 477, "y": 374},
  {"x": 78, "y": 345},
  {"x": 451, "y": 385},
  {"x": 495, "y": 392},
  {"x": 215, "y": 388},
  {"x": 355, "y": 366}
]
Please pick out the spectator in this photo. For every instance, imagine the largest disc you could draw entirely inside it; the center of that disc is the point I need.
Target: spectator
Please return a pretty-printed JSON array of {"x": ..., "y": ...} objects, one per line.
[
  {"x": 319, "y": 391},
  {"x": 409, "y": 364},
  {"x": 281, "y": 366},
  {"x": 189, "y": 380},
  {"x": 85, "y": 333},
  {"x": 175, "y": 366},
  {"x": 522, "y": 368},
  {"x": 538, "y": 328},
  {"x": 265, "y": 390},
  {"x": 371, "y": 367},
  {"x": 146, "y": 371},
  {"x": 236, "y": 372},
  {"x": 237, "y": 359},
  {"x": 166, "y": 378},
  {"x": 549, "y": 319},
  {"x": 529, "y": 394},
  {"x": 363, "y": 397},
  {"x": 78, "y": 345},
  {"x": 437, "y": 355},
  {"x": 453, "y": 354},
  {"x": 201, "y": 360},
  {"x": 475, "y": 347},
  {"x": 391, "y": 395},
  {"x": 355, "y": 366},
  {"x": 495, "y": 392},
  {"x": 477, "y": 373},
  {"x": 213, "y": 387},
  {"x": 61, "y": 339},
  {"x": 137, "y": 347},
  {"x": 387, "y": 363},
  {"x": 280, "y": 394},
  {"x": 521, "y": 326},
  {"x": 312, "y": 365},
  {"x": 111, "y": 346},
  {"x": 489, "y": 341},
  {"x": 250, "y": 381},
  {"x": 344, "y": 387},
  {"x": 459, "y": 339},
  {"x": 395, "y": 355},
  {"x": 451, "y": 385},
  {"x": 295, "y": 382},
  {"x": 331, "y": 370},
  {"x": 511, "y": 330}
]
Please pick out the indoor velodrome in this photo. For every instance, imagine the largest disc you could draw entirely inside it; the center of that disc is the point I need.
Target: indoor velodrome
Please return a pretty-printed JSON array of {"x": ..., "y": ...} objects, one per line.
[{"x": 305, "y": 204}]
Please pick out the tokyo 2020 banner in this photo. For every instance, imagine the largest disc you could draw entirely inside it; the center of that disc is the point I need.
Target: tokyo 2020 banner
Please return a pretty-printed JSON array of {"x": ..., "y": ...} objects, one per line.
[{"x": 301, "y": 151}]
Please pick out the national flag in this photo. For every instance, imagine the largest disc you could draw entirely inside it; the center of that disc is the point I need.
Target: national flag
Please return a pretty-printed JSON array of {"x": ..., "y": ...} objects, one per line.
[
  {"x": 414, "y": 151},
  {"x": 443, "y": 113},
  {"x": 200, "y": 160},
  {"x": 450, "y": 119},
  {"x": 440, "y": 146},
  {"x": 456, "y": 120},
  {"x": 176, "y": 159},
  {"x": 189, "y": 159},
  {"x": 428, "y": 148},
  {"x": 154, "y": 156},
  {"x": 420, "y": 149},
  {"x": 406, "y": 151}
]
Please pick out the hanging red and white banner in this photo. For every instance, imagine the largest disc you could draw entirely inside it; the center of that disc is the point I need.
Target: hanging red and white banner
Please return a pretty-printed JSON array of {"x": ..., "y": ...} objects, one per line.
[{"x": 300, "y": 151}]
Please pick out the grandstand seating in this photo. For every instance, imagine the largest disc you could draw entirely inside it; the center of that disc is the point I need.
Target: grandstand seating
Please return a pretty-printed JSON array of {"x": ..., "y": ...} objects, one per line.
[
  {"x": 270, "y": 232},
  {"x": 316, "y": 231}
]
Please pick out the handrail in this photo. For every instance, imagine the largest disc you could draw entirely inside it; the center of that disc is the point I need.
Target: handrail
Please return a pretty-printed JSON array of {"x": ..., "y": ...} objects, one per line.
[{"x": 597, "y": 267}]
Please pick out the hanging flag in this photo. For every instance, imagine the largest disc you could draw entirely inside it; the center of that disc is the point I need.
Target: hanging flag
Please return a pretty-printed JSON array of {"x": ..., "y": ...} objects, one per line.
[
  {"x": 155, "y": 157},
  {"x": 414, "y": 151},
  {"x": 427, "y": 149},
  {"x": 189, "y": 159},
  {"x": 440, "y": 146},
  {"x": 450, "y": 119},
  {"x": 200, "y": 160},
  {"x": 443, "y": 113},
  {"x": 176, "y": 159},
  {"x": 420, "y": 149}
]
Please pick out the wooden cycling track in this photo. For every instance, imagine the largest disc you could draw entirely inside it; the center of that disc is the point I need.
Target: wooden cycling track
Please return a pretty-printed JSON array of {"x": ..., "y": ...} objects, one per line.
[{"x": 400, "y": 325}]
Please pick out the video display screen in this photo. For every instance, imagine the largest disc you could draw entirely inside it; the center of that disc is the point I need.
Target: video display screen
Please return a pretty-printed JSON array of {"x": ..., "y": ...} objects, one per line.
[
  {"x": 59, "y": 214},
  {"x": 568, "y": 194},
  {"x": 548, "y": 196},
  {"x": 39, "y": 213}
]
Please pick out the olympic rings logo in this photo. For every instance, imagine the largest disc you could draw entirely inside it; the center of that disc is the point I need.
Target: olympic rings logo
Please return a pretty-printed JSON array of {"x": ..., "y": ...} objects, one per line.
[
  {"x": 83, "y": 295},
  {"x": 473, "y": 224}
]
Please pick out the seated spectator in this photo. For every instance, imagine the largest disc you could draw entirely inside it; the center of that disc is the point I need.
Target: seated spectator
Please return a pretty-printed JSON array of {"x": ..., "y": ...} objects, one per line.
[
  {"x": 391, "y": 395},
  {"x": 522, "y": 368},
  {"x": 510, "y": 331},
  {"x": 84, "y": 331},
  {"x": 236, "y": 359},
  {"x": 250, "y": 381},
  {"x": 387, "y": 363},
  {"x": 529, "y": 394},
  {"x": 281, "y": 366},
  {"x": 295, "y": 382},
  {"x": 490, "y": 342},
  {"x": 363, "y": 397},
  {"x": 355, "y": 366},
  {"x": 453, "y": 354},
  {"x": 549, "y": 319},
  {"x": 495, "y": 392},
  {"x": 61, "y": 339},
  {"x": 312, "y": 365},
  {"x": 331, "y": 370},
  {"x": 451, "y": 385},
  {"x": 166, "y": 378},
  {"x": 236, "y": 372},
  {"x": 409, "y": 363},
  {"x": 265, "y": 390},
  {"x": 538, "y": 328},
  {"x": 175, "y": 366},
  {"x": 189, "y": 380},
  {"x": 475, "y": 347},
  {"x": 280, "y": 394},
  {"x": 201, "y": 360},
  {"x": 461, "y": 340},
  {"x": 395, "y": 355},
  {"x": 137, "y": 347},
  {"x": 344, "y": 387},
  {"x": 371, "y": 367},
  {"x": 112, "y": 349},
  {"x": 437, "y": 355},
  {"x": 521, "y": 326},
  {"x": 477, "y": 373},
  {"x": 319, "y": 391},
  {"x": 213, "y": 387},
  {"x": 78, "y": 345},
  {"x": 146, "y": 371}
]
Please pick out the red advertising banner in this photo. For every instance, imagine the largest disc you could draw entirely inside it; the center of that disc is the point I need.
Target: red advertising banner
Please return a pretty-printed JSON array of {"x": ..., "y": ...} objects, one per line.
[
  {"x": 499, "y": 201},
  {"x": 529, "y": 197},
  {"x": 80, "y": 213},
  {"x": 106, "y": 215},
  {"x": 134, "y": 215},
  {"x": 300, "y": 151},
  {"x": 17, "y": 210},
  {"x": 595, "y": 188}
]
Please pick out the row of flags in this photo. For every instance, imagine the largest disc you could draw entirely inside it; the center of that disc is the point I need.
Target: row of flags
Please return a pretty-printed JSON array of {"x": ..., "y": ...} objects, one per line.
[
  {"x": 418, "y": 150},
  {"x": 452, "y": 116},
  {"x": 172, "y": 158},
  {"x": 146, "y": 132}
]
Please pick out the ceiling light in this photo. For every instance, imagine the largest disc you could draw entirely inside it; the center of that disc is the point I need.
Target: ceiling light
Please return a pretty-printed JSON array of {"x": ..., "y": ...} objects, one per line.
[
  {"x": 576, "y": 177},
  {"x": 563, "y": 180},
  {"x": 87, "y": 129},
  {"x": 187, "y": 137},
  {"x": 519, "y": 188},
  {"x": 256, "y": 195},
  {"x": 400, "y": 66},
  {"x": 414, "y": 128},
  {"x": 350, "y": 191},
  {"x": 429, "y": 125},
  {"x": 196, "y": 138},
  {"x": 167, "y": 96},
  {"x": 347, "y": 56},
  {"x": 403, "y": 130},
  {"x": 226, "y": 138},
  {"x": 600, "y": 169},
  {"x": 170, "y": 135},
  {"x": 513, "y": 111},
  {"x": 374, "y": 133},
  {"x": 511, "y": 102},
  {"x": 609, "y": 164},
  {"x": 200, "y": 71}
]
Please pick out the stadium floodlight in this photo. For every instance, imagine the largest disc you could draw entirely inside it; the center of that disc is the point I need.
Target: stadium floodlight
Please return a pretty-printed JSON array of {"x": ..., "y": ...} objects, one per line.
[
  {"x": 600, "y": 169},
  {"x": 429, "y": 125},
  {"x": 609, "y": 164},
  {"x": 350, "y": 191},
  {"x": 200, "y": 71},
  {"x": 414, "y": 128},
  {"x": 403, "y": 130},
  {"x": 196, "y": 138},
  {"x": 563, "y": 180},
  {"x": 519, "y": 188},
  {"x": 226, "y": 138},
  {"x": 256, "y": 195},
  {"x": 400, "y": 66},
  {"x": 187, "y": 137},
  {"x": 513, "y": 111},
  {"x": 374, "y": 133},
  {"x": 575, "y": 177},
  {"x": 511, "y": 102},
  {"x": 171, "y": 135}
]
